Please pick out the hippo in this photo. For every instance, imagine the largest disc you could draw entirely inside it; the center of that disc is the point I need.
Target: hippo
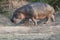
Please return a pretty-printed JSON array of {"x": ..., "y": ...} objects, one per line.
[{"x": 34, "y": 11}]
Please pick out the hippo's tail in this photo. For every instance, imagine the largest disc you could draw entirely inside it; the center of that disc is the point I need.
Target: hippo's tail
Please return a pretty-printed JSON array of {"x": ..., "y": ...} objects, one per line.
[{"x": 53, "y": 11}]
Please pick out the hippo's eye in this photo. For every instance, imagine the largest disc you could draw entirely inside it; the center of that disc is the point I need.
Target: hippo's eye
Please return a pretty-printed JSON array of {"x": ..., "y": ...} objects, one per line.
[{"x": 17, "y": 16}]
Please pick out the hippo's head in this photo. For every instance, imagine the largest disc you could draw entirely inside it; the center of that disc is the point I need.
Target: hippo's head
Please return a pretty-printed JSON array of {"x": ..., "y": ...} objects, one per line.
[{"x": 17, "y": 17}]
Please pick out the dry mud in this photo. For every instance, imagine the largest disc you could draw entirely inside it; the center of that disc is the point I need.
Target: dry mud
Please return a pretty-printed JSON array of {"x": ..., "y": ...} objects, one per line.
[{"x": 30, "y": 33}]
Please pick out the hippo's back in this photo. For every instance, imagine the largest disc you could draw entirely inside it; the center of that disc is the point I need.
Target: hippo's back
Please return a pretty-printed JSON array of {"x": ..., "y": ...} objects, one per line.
[{"x": 41, "y": 7}]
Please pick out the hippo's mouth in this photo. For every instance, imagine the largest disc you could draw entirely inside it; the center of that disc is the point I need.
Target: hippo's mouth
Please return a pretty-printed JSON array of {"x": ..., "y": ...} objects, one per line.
[{"x": 16, "y": 21}]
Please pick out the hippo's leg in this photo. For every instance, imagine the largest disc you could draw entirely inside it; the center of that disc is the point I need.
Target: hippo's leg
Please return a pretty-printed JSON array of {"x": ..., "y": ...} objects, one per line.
[
  {"x": 52, "y": 18},
  {"x": 48, "y": 19},
  {"x": 34, "y": 21}
]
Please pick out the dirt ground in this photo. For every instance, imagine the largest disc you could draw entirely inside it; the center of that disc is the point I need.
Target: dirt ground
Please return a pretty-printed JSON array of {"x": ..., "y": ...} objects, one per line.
[{"x": 10, "y": 31}]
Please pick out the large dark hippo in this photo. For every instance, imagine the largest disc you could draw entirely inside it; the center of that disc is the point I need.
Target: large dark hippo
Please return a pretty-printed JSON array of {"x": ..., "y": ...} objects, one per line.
[{"x": 34, "y": 11}]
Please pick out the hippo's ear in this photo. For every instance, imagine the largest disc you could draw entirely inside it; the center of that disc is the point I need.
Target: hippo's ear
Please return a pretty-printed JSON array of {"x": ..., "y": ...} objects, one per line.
[{"x": 23, "y": 12}]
